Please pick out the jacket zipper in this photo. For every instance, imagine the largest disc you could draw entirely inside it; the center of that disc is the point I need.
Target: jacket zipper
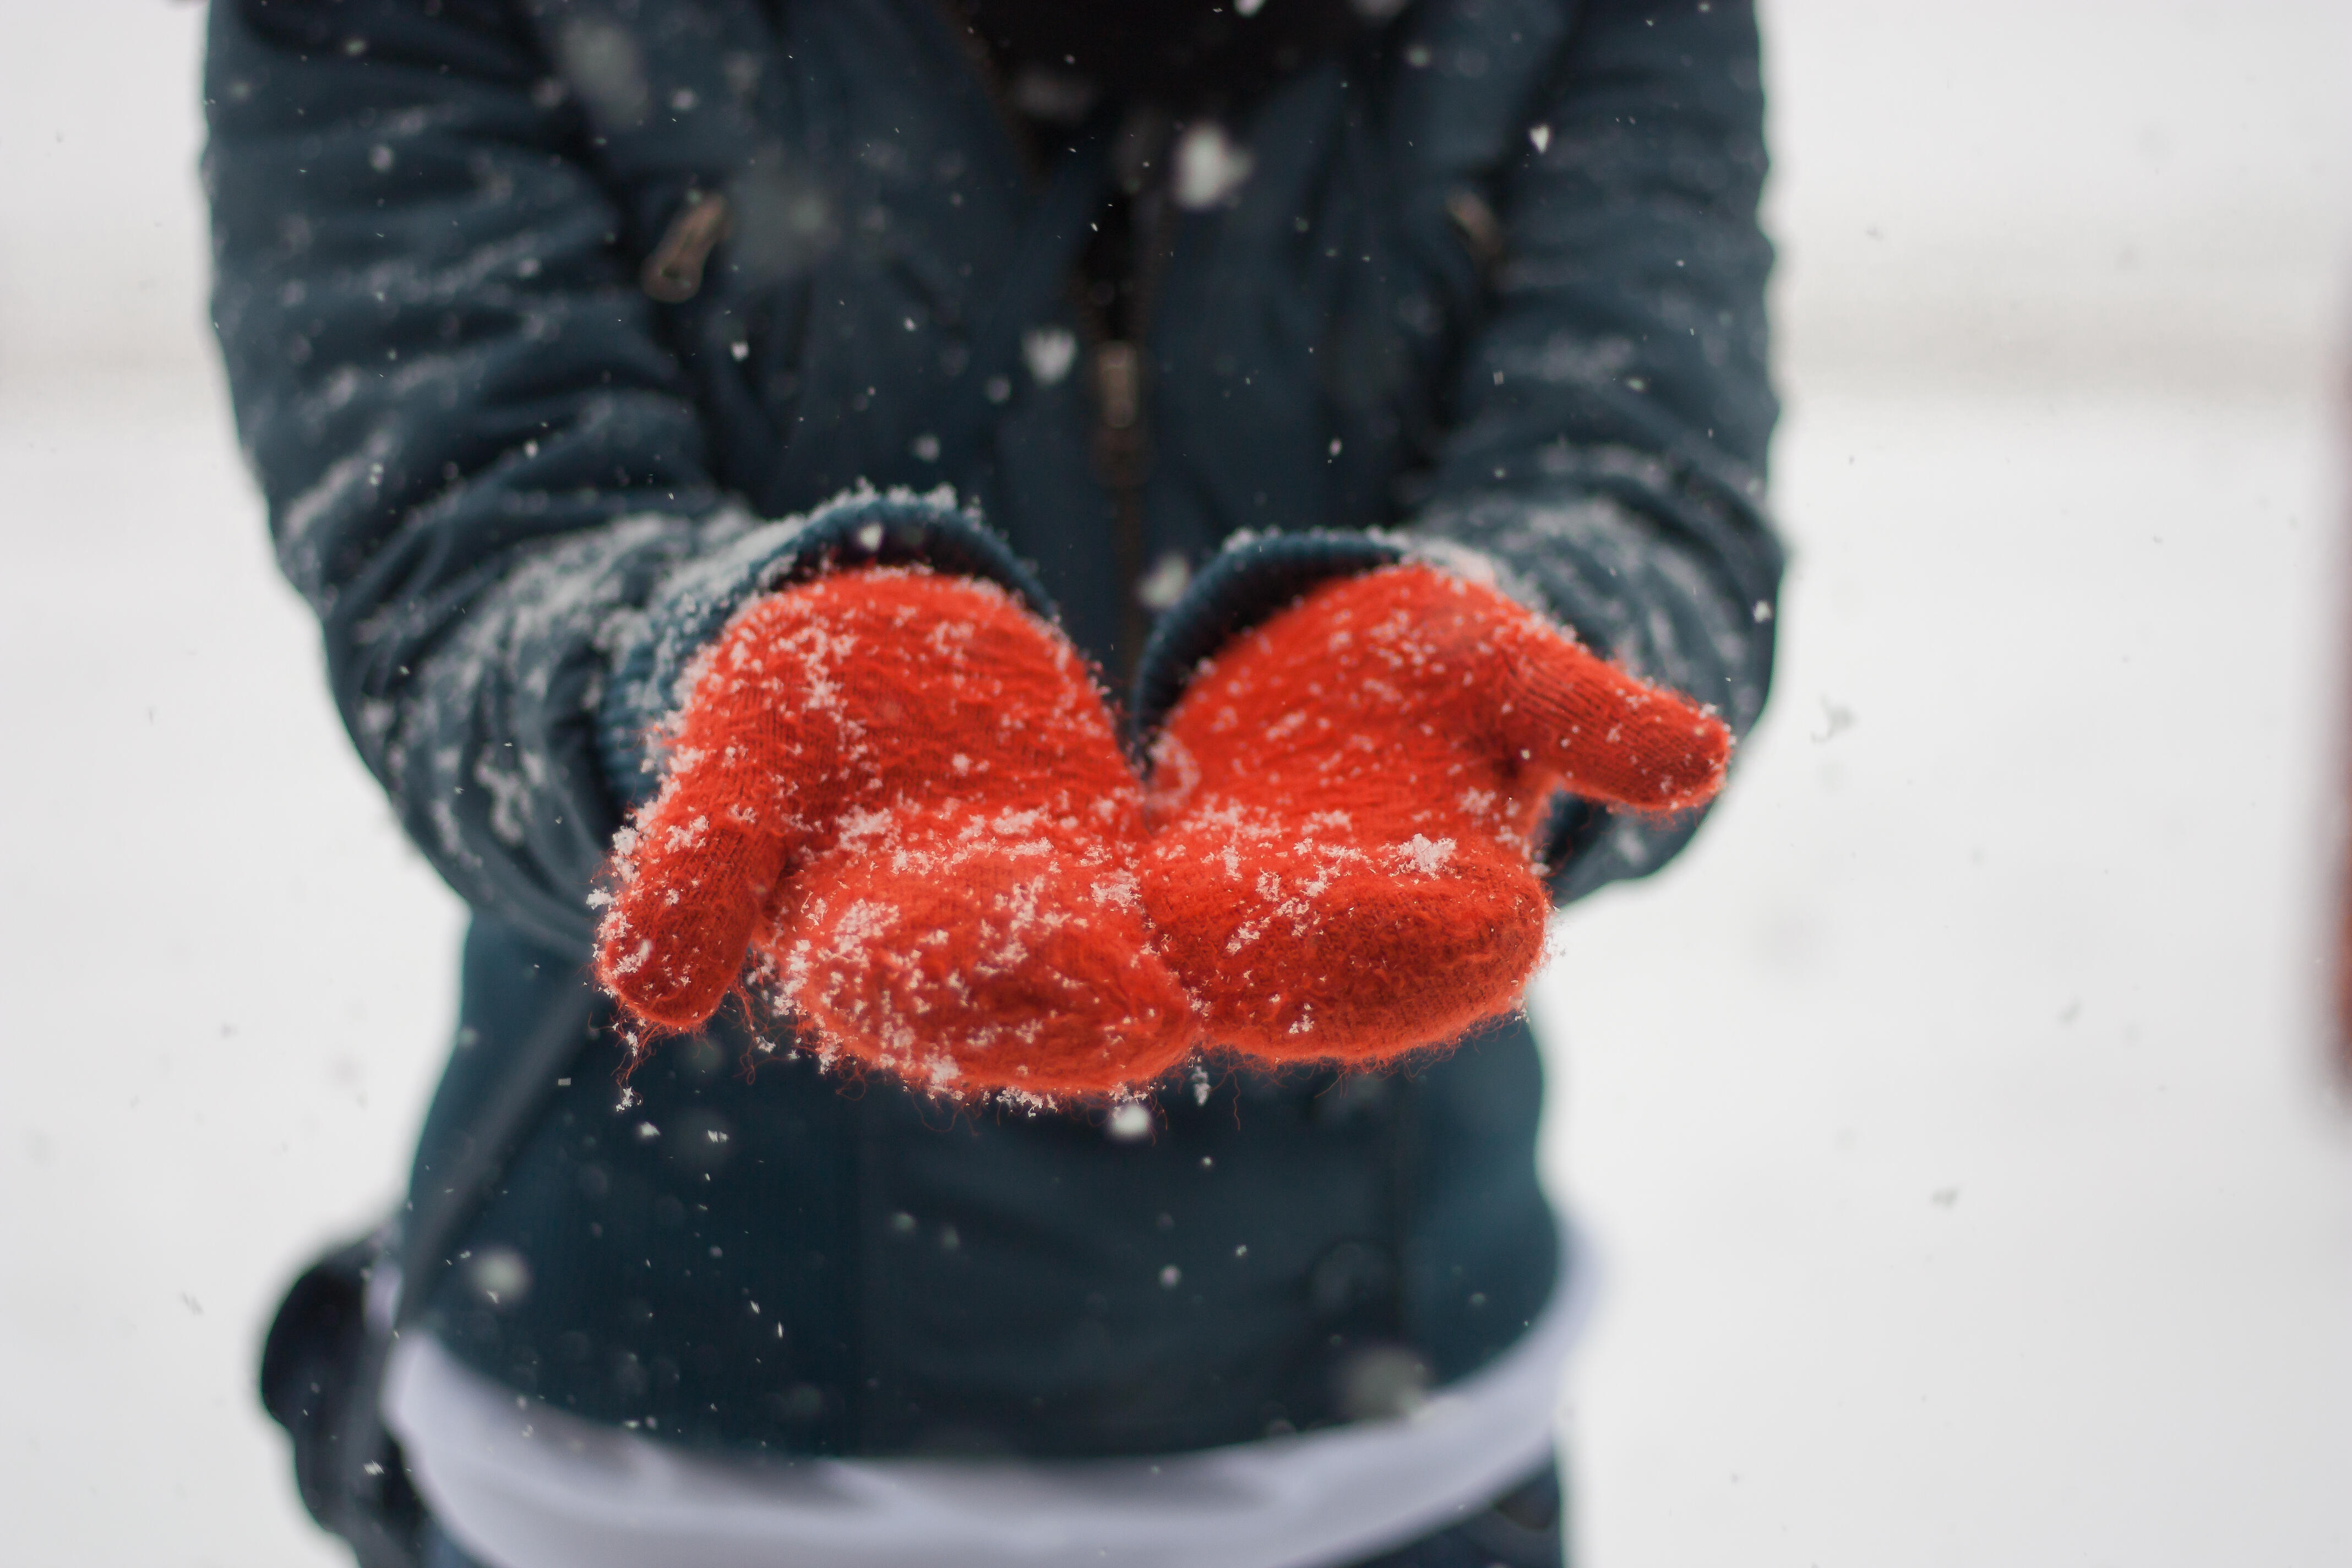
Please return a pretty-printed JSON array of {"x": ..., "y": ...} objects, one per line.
[
  {"x": 1115, "y": 365},
  {"x": 1120, "y": 378},
  {"x": 1120, "y": 456}
]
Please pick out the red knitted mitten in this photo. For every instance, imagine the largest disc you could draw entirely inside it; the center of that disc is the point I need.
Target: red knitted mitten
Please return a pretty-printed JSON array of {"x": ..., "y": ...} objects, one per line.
[
  {"x": 903, "y": 791},
  {"x": 1343, "y": 800}
]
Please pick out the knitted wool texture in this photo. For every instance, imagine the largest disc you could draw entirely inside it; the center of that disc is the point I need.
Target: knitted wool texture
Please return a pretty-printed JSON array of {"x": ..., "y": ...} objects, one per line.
[
  {"x": 901, "y": 791},
  {"x": 1343, "y": 802}
]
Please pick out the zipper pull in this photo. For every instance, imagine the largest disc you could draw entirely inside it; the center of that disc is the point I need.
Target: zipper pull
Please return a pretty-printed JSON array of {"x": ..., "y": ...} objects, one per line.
[
  {"x": 1118, "y": 385},
  {"x": 1475, "y": 221},
  {"x": 673, "y": 273},
  {"x": 1118, "y": 457}
]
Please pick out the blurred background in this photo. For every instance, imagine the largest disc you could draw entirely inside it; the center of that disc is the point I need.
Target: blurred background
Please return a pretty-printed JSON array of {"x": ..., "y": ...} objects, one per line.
[{"x": 1954, "y": 1120}]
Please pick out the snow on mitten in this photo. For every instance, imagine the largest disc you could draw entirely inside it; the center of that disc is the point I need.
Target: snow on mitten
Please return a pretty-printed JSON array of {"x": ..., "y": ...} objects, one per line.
[
  {"x": 1343, "y": 799},
  {"x": 902, "y": 790}
]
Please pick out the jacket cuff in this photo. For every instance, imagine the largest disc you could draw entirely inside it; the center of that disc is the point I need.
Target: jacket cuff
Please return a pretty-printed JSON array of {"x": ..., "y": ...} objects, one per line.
[
  {"x": 1252, "y": 579},
  {"x": 653, "y": 651}
]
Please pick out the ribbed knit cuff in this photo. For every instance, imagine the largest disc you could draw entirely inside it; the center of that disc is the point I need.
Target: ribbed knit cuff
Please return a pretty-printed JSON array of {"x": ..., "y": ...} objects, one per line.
[
  {"x": 656, "y": 649},
  {"x": 1248, "y": 582}
]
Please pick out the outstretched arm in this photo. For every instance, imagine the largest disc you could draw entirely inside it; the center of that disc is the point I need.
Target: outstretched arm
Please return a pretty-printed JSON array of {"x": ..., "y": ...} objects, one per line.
[
  {"x": 1583, "y": 208},
  {"x": 485, "y": 467},
  {"x": 1611, "y": 418},
  {"x": 477, "y": 457}
]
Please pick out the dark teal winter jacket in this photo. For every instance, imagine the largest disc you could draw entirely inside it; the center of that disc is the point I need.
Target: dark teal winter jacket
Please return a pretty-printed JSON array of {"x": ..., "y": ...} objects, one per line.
[{"x": 1492, "y": 280}]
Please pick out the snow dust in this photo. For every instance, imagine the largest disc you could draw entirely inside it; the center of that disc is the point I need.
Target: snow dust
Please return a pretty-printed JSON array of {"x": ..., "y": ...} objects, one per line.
[{"x": 1950, "y": 1121}]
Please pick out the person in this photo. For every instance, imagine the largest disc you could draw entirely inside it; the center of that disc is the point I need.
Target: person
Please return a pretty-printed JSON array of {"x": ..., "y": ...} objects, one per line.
[{"x": 586, "y": 348}]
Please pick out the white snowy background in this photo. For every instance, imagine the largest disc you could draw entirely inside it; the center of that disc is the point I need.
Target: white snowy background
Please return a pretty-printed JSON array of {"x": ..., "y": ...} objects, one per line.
[{"x": 1954, "y": 1119}]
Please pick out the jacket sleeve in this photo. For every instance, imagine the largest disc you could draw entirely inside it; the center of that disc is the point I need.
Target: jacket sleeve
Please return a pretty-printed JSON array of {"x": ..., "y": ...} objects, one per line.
[
  {"x": 1610, "y": 420},
  {"x": 482, "y": 467}
]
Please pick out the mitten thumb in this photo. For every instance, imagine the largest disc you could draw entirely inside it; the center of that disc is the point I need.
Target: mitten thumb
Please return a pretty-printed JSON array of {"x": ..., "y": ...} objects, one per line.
[
  {"x": 694, "y": 880},
  {"x": 1608, "y": 737}
]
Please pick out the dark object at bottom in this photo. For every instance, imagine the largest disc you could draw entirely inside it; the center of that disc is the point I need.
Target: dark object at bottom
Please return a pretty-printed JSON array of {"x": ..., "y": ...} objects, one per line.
[
  {"x": 320, "y": 1370},
  {"x": 322, "y": 1361},
  {"x": 1527, "y": 1527}
]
